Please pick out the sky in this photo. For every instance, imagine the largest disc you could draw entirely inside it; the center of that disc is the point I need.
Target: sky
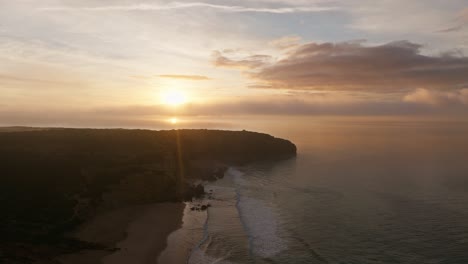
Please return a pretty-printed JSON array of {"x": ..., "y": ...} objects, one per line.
[{"x": 148, "y": 63}]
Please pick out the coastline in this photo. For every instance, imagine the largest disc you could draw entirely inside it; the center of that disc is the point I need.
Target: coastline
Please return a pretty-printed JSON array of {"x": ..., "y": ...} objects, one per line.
[
  {"x": 138, "y": 233},
  {"x": 182, "y": 242},
  {"x": 107, "y": 185}
]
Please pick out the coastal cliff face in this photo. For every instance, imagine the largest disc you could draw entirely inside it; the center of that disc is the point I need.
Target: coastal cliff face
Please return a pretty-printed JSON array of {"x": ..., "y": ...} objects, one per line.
[{"x": 54, "y": 179}]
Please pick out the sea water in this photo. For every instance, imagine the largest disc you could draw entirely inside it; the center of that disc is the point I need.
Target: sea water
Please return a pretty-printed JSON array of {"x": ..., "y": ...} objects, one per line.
[{"x": 385, "y": 192}]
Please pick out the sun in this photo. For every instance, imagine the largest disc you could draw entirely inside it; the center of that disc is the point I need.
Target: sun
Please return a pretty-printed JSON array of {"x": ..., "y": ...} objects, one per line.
[
  {"x": 174, "y": 97},
  {"x": 173, "y": 120}
]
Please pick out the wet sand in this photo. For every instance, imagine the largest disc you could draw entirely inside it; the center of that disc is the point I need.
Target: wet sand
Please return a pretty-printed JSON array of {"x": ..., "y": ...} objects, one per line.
[
  {"x": 139, "y": 232},
  {"x": 182, "y": 242}
]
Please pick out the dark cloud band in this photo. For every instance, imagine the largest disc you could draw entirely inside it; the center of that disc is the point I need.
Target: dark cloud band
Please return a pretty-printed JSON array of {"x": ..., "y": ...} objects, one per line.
[{"x": 392, "y": 67}]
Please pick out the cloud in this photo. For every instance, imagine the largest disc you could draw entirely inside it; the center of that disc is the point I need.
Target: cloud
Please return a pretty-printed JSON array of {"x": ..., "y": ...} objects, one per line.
[
  {"x": 286, "y": 42},
  {"x": 350, "y": 66},
  {"x": 141, "y": 77},
  {"x": 460, "y": 22},
  {"x": 464, "y": 15},
  {"x": 249, "y": 62},
  {"x": 179, "y": 5},
  {"x": 450, "y": 29},
  {"x": 218, "y": 113},
  {"x": 438, "y": 98},
  {"x": 10, "y": 78},
  {"x": 185, "y": 77},
  {"x": 399, "y": 16},
  {"x": 58, "y": 119},
  {"x": 156, "y": 116}
]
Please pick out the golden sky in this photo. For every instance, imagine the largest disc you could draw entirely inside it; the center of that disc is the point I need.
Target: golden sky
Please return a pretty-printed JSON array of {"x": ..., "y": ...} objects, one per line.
[{"x": 121, "y": 62}]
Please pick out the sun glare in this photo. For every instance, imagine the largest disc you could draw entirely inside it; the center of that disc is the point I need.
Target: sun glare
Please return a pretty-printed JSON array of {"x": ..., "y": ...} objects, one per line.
[
  {"x": 174, "y": 98},
  {"x": 173, "y": 120}
]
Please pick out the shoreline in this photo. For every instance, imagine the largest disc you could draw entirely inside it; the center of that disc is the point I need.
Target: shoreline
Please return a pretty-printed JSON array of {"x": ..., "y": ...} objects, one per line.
[
  {"x": 145, "y": 234},
  {"x": 182, "y": 242},
  {"x": 106, "y": 176},
  {"x": 140, "y": 234}
]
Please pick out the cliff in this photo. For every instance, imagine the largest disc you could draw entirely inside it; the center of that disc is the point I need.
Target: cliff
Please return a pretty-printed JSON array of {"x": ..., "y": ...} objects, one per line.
[{"x": 53, "y": 179}]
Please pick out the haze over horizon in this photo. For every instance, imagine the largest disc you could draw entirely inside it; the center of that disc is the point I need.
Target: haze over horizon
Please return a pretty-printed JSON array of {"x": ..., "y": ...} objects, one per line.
[
  {"x": 234, "y": 131},
  {"x": 155, "y": 63}
]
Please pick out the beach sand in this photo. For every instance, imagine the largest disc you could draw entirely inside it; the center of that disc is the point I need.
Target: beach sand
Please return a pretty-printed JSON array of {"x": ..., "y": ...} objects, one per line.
[
  {"x": 182, "y": 242},
  {"x": 140, "y": 232}
]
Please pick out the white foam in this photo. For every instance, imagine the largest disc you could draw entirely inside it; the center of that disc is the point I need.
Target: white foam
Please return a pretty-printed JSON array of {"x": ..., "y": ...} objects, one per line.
[
  {"x": 198, "y": 256},
  {"x": 236, "y": 175},
  {"x": 259, "y": 220},
  {"x": 222, "y": 197}
]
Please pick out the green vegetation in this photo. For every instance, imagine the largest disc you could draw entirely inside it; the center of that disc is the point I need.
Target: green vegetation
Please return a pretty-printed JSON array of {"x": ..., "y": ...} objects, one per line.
[{"x": 53, "y": 179}]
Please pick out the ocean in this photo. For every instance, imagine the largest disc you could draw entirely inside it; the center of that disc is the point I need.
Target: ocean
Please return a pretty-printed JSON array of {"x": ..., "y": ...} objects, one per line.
[{"x": 357, "y": 192}]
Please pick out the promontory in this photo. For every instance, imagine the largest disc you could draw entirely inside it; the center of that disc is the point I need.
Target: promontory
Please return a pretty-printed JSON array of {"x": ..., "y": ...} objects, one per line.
[{"x": 52, "y": 180}]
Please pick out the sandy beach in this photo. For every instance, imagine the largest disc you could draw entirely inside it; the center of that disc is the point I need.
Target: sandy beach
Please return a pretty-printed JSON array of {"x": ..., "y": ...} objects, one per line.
[
  {"x": 181, "y": 243},
  {"x": 140, "y": 233}
]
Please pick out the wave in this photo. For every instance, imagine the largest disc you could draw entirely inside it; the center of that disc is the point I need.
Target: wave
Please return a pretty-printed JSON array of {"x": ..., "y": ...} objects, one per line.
[
  {"x": 239, "y": 226},
  {"x": 208, "y": 250},
  {"x": 199, "y": 256},
  {"x": 259, "y": 220}
]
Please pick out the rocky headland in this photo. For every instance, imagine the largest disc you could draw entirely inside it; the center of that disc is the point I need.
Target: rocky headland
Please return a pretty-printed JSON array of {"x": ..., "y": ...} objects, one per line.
[{"x": 55, "y": 180}]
